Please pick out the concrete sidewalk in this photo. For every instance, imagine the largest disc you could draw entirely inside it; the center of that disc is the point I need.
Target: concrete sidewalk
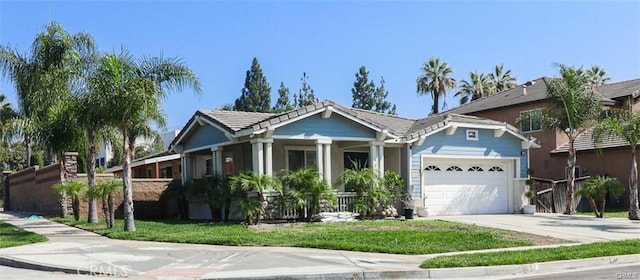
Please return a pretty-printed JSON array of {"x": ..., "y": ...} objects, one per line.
[{"x": 72, "y": 250}]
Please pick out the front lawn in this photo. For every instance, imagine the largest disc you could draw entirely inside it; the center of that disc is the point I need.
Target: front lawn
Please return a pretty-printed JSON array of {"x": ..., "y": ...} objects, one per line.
[
  {"x": 400, "y": 237},
  {"x": 592, "y": 250},
  {"x": 608, "y": 213},
  {"x": 11, "y": 236}
]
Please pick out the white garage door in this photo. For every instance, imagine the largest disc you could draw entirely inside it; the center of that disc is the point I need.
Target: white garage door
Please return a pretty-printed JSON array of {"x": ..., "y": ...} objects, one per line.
[{"x": 466, "y": 186}]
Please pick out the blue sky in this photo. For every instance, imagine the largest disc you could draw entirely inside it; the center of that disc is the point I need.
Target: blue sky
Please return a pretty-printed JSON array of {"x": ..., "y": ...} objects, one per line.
[{"x": 330, "y": 40}]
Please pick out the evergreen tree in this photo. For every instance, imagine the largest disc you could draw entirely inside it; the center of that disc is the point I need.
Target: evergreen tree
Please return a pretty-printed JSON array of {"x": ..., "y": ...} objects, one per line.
[
  {"x": 363, "y": 92},
  {"x": 283, "y": 103},
  {"x": 306, "y": 95},
  {"x": 256, "y": 94},
  {"x": 382, "y": 105}
]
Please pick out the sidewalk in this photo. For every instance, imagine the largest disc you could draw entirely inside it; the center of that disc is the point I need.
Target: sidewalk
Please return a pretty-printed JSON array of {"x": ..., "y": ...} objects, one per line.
[{"x": 72, "y": 250}]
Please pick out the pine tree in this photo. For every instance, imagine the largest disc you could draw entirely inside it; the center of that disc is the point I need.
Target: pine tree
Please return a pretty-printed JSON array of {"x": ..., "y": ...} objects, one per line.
[
  {"x": 256, "y": 94},
  {"x": 283, "y": 103},
  {"x": 306, "y": 95},
  {"x": 382, "y": 105},
  {"x": 363, "y": 91}
]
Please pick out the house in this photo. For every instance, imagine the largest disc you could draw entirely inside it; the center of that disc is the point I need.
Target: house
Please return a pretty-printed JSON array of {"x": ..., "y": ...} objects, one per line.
[
  {"x": 460, "y": 164},
  {"x": 105, "y": 154},
  {"x": 611, "y": 158},
  {"x": 159, "y": 165}
]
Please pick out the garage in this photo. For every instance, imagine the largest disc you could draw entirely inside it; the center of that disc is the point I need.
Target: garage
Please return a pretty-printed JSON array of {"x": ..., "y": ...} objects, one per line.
[{"x": 466, "y": 186}]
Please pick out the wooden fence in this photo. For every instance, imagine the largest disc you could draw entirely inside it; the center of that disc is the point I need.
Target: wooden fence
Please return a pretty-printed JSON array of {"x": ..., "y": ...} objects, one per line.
[{"x": 551, "y": 196}]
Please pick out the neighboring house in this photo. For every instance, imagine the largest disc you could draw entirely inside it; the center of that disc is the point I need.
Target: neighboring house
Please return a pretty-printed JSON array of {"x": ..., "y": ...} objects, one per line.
[
  {"x": 159, "y": 165},
  {"x": 105, "y": 154},
  {"x": 550, "y": 161},
  {"x": 461, "y": 164}
]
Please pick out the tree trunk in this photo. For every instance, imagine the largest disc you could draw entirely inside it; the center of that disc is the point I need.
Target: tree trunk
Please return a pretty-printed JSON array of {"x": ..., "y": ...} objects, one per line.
[
  {"x": 436, "y": 100},
  {"x": 571, "y": 180},
  {"x": 127, "y": 189},
  {"x": 633, "y": 188},
  {"x": 51, "y": 157},
  {"x": 105, "y": 211},
  {"x": 27, "y": 140},
  {"x": 91, "y": 176},
  {"x": 594, "y": 206},
  {"x": 76, "y": 208},
  {"x": 112, "y": 210}
]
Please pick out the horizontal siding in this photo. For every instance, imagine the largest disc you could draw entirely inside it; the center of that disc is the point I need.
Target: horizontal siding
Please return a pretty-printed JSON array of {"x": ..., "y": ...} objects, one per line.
[
  {"x": 204, "y": 136},
  {"x": 457, "y": 145},
  {"x": 316, "y": 126}
]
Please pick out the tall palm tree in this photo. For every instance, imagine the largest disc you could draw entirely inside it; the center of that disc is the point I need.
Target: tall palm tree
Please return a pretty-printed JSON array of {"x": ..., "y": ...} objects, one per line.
[
  {"x": 478, "y": 86},
  {"x": 435, "y": 80},
  {"x": 7, "y": 116},
  {"x": 43, "y": 78},
  {"x": 626, "y": 125},
  {"x": 134, "y": 91},
  {"x": 597, "y": 76},
  {"x": 502, "y": 80},
  {"x": 573, "y": 109}
]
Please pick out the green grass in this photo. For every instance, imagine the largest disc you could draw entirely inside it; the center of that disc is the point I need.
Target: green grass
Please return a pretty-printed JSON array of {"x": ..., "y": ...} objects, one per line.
[
  {"x": 592, "y": 250},
  {"x": 608, "y": 213},
  {"x": 400, "y": 237},
  {"x": 11, "y": 236}
]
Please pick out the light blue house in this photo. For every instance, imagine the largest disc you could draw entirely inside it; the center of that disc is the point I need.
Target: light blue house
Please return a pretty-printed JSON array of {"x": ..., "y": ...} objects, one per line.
[{"x": 454, "y": 164}]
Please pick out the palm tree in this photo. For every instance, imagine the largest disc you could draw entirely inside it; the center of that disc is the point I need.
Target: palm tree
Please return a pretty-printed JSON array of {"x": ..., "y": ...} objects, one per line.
[
  {"x": 502, "y": 81},
  {"x": 573, "y": 109},
  {"x": 44, "y": 78},
  {"x": 478, "y": 86},
  {"x": 597, "y": 76},
  {"x": 73, "y": 189},
  {"x": 250, "y": 182},
  {"x": 308, "y": 191},
  {"x": 134, "y": 90},
  {"x": 7, "y": 117},
  {"x": 436, "y": 80},
  {"x": 369, "y": 188},
  {"x": 626, "y": 125},
  {"x": 105, "y": 191},
  {"x": 597, "y": 189}
]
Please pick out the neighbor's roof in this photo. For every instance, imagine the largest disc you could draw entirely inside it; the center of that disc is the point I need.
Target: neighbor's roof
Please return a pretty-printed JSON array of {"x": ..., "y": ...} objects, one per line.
[
  {"x": 152, "y": 158},
  {"x": 536, "y": 90},
  {"x": 585, "y": 142}
]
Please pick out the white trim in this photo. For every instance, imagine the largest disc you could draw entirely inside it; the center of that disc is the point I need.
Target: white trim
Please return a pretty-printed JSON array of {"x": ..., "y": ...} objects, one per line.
[
  {"x": 478, "y": 126},
  {"x": 288, "y": 148},
  {"x": 497, "y": 133},
  {"x": 250, "y": 131},
  {"x": 298, "y": 137},
  {"x": 212, "y": 146},
  {"x": 450, "y": 130},
  {"x": 475, "y": 136},
  {"x": 327, "y": 113},
  {"x": 200, "y": 119}
]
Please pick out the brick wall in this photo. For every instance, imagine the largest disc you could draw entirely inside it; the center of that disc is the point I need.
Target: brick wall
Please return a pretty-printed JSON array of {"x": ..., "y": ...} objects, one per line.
[{"x": 30, "y": 190}]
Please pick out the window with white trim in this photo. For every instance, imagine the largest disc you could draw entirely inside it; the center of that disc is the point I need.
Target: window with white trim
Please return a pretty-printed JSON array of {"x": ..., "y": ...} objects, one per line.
[
  {"x": 530, "y": 120},
  {"x": 299, "y": 158}
]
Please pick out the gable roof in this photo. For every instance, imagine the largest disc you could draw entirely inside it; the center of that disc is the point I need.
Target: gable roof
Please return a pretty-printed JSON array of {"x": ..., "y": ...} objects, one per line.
[
  {"x": 238, "y": 123},
  {"x": 585, "y": 142},
  {"x": 536, "y": 90}
]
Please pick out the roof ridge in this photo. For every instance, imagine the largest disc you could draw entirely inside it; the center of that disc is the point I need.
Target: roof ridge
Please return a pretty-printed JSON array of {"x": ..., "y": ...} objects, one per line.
[
  {"x": 619, "y": 82},
  {"x": 381, "y": 114}
]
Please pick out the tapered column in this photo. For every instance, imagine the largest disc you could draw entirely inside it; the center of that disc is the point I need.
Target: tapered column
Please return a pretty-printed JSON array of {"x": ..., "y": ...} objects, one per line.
[
  {"x": 268, "y": 155},
  {"x": 257, "y": 151},
  {"x": 319, "y": 162}
]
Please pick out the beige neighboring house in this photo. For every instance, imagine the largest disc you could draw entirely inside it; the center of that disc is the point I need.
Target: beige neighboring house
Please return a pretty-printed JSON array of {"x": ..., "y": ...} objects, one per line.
[{"x": 612, "y": 158}]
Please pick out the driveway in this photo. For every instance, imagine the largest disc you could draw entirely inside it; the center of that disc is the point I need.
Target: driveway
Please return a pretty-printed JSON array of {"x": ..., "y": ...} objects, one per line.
[{"x": 576, "y": 228}]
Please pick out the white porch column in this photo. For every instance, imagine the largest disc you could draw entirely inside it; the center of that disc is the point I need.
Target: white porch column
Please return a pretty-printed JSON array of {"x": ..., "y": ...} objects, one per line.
[
  {"x": 373, "y": 157},
  {"x": 381, "y": 158},
  {"x": 319, "y": 156},
  {"x": 183, "y": 166},
  {"x": 268, "y": 157},
  {"x": 325, "y": 144},
  {"x": 217, "y": 160},
  {"x": 257, "y": 151}
]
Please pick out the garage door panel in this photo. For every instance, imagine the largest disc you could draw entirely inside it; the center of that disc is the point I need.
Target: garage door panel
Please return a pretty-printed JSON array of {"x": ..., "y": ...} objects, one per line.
[{"x": 480, "y": 188}]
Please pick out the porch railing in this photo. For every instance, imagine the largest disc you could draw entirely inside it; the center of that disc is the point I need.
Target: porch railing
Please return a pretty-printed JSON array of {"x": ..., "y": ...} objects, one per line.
[{"x": 343, "y": 205}]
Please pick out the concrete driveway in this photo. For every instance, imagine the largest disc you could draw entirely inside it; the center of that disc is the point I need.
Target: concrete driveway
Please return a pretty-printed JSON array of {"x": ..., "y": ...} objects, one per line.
[{"x": 576, "y": 228}]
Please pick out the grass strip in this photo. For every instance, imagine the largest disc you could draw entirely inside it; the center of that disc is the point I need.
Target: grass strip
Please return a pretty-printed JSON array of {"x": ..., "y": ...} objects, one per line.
[
  {"x": 591, "y": 250},
  {"x": 398, "y": 237},
  {"x": 11, "y": 236}
]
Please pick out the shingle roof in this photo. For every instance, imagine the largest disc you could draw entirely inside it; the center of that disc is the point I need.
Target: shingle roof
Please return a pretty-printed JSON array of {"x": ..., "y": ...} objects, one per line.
[
  {"x": 235, "y": 120},
  {"x": 585, "y": 142},
  {"x": 429, "y": 124},
  {"x": 620, "y": 89},
  {"x": 536, "y": 90}
]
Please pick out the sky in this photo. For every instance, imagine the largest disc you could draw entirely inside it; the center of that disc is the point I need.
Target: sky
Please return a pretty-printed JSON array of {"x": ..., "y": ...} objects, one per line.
[{"x": 330, "y": 40}]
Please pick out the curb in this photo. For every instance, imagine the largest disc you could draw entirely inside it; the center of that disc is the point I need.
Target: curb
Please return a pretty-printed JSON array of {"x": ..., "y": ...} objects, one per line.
[
  {"x": 463, "y": 272},
  {"x": 17, "y": 263}
]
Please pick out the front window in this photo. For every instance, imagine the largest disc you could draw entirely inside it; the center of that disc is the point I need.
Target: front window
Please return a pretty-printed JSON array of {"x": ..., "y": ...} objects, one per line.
[
  {"x": 301, "y": 158},
  {"x": 531, "y": 120}
]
